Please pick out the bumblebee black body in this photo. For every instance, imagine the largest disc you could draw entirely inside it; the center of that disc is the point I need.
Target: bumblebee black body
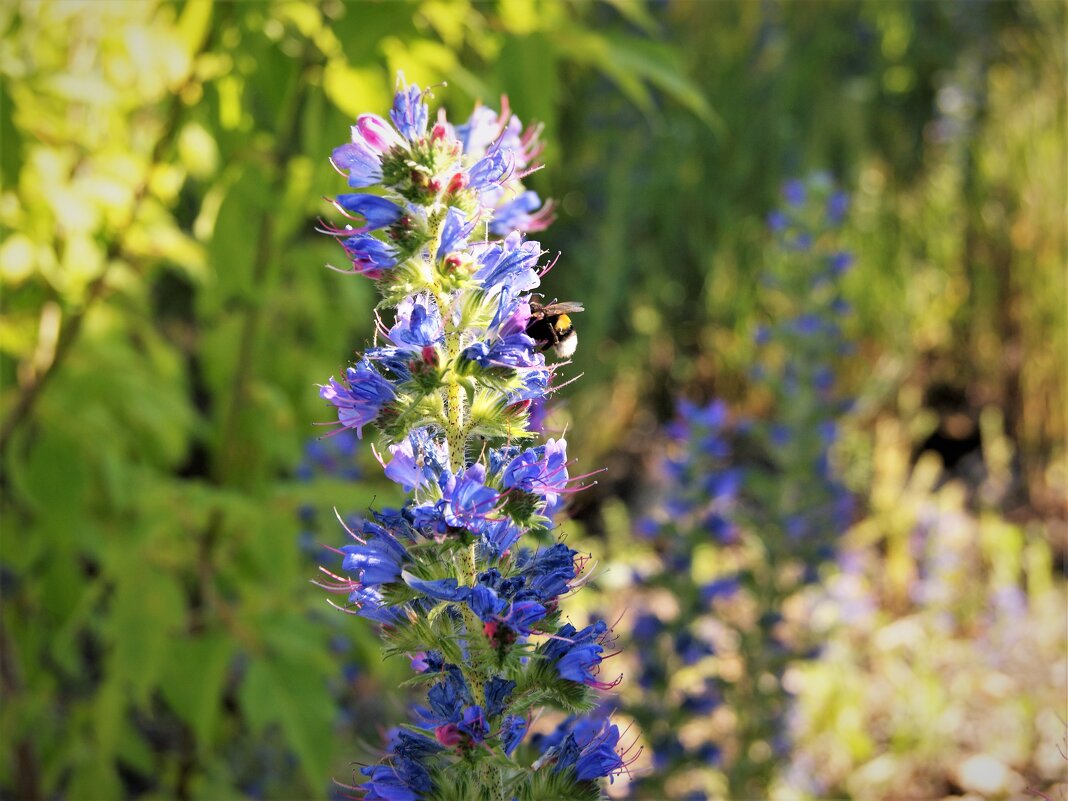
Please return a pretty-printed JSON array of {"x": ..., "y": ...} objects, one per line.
[{"x": 551, "y": 328}]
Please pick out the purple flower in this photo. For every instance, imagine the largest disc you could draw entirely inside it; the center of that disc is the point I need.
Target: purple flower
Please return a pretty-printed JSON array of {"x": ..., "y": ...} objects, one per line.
[
  {"x": 548, "y": 572},
  {"x": 509, "y": 345},
  {"x": 370, "y": 256},
  {"x": 577, "y": 655},
  {"x": 454, "y": 232},
  {"x": 405, "y": 468},
  {"x": 794, "y": 192},
  {"x": 360, "y": 398},
  {"x": 378, "y": 561},
  {"x": 370, "y": 605},
  {"x": 397, "y": 780},
  {"x": 590, "y": 750},
  {"x": 362, "y": 164},
  {"x": 375, "y": 133},
  {"x": 418, "y": 323},
  {"x": 473, "y": 724},
  {"x": 378, "y": 212},
  {"x": 541, "y": 471},
  {"x": 521, "y": 214},
  {"x": 417, "y": 459},
  {"x": 482, "y": 128},
  {"x": 468, "y": 501},
  {"x": 499, "y": 535},
  {"x": 491, "y": 170},
  {"x": 510, "y": 263},
  {"x": 841, "y": 262},
  {"x": 837, "y": 206},
  {"x": 409, "y": 112},
  {"x": 446, "y": 589},
  {"x": 514, "y": 351},
  {"x": 777, "y": 221}
]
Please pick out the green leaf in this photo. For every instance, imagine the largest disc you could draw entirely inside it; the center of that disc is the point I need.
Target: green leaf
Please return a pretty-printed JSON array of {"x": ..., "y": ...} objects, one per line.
[
  {"x": 631, "y": 63},
  {"x": 148, "y": 607},
  {"x": 233, "y": 246},
  {"x": 94, "y": 778},
  {"x": 193, "y": 24},
  {"x": 193, "y": 680},
  {"x": 284, "y": 693}
]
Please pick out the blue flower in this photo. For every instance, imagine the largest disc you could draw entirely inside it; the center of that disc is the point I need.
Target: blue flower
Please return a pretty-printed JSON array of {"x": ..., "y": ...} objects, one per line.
[
  {"x": 361, "y": 397},
  {"x": 491, "y": 610},
  {"x": 362, "y": 164},
  {"x": 499, "y": 535},
  {"x": 515, "y": 351},
  {"x": 841, "y": 262},
  {"x": 577, "y": 654},
  {"x": 522, "y": 615},
  {"x": 417, "y": 460},
  {"x": 386, "y": 782},
  {"x": 409, "y": 112},
  {"x": 541, "y": 471},
  {"x": 590, "y": 751},
  {"x": 491, "y": 170},
  {"x": 449, "y": 697},
  {"x": 509, "y": 264},
  {"x": 446, "y": 589},
  {"x": 513, "y": 728},
  {"x": 794, "y": 192},
  {"x": 498, "y": 691},
  {"x": 468, "y": 501},
  {"x": 720, "y": 588},
  {"x": 598, "y": 758},
  {"x": 376, "y": 562},
  {"x": 454, "y": 232},
  {"x": 485, "y": 603},
  {"x": 370, "y": 256},
  {"x": 405, "y": 468},
  {"x": 377, "y": 212},
  {"x": 410, "y": 745},
  {"x": 473, "y": 724},
  {"x": 548, "y": 572},
  {"x": 370, "y": 605},
  {"x": 520, "y": 214},
  {"x": 535, "y": 383},
  {"x": 418, "y": 323},
  {"x": 837, "y": 206}
]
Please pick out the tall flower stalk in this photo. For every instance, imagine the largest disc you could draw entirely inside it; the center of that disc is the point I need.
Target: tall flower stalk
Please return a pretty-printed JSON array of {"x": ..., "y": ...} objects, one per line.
[
  {"x": 757, "y": 502},
  {"x": 465, "y": 578}
]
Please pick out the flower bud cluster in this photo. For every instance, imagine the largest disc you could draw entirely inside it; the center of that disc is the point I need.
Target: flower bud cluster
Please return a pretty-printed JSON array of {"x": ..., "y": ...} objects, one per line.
[
  {"x": 761, "y": 491},
  {"x": 451, "y": 576}
]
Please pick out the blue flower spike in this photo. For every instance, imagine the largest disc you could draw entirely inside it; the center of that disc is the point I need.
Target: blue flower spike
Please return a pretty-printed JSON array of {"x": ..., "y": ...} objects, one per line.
[{"x": 454, "y": 577}]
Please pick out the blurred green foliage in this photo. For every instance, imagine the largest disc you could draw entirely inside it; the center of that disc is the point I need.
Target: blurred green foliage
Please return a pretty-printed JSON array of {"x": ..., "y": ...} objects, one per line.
[
  {"x": 165, "y": 313},
  {"x": 166, "y": 317}
]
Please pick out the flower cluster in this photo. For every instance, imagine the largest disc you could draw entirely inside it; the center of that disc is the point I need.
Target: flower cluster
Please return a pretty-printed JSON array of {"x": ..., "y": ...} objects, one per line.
[
  {"x": 451, "y": 385},
  {"x": 674, "y": 642},
  {"x": 763, "y": 494}
]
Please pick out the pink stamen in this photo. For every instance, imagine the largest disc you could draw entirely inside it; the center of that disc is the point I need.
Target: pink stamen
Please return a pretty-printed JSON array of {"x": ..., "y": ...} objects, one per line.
[
  {"x": 337, "y": 168},
  {"x": 350, "y": 532}
]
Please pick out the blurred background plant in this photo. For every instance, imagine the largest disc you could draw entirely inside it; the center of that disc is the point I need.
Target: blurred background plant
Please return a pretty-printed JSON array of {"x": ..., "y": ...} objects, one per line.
[{"x": 165, "y": 312}]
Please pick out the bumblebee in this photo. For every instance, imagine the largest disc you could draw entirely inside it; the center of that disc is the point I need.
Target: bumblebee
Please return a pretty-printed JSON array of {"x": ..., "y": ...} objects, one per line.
[{"x": 551, "y": 328}]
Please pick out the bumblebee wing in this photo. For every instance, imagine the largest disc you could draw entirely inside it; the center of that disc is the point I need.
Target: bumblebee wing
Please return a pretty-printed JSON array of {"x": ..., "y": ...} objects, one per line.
[{"x": 565, "y": 307}]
